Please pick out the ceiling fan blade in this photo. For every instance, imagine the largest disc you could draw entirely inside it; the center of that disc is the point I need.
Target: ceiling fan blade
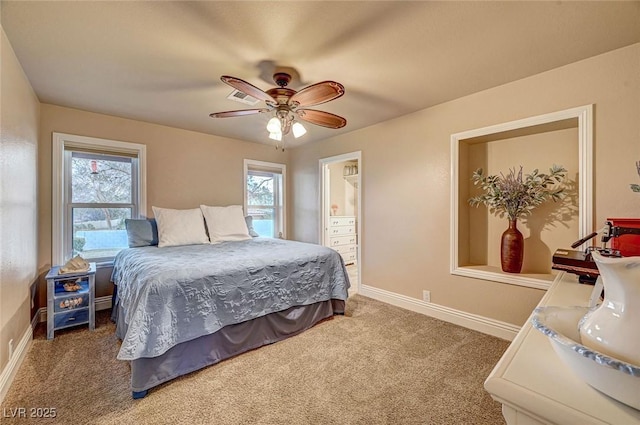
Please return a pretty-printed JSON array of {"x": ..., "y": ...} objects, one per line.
[
  {"x": 324, "y": 119},
  {"x": 318, "y": 93},
  {"x": 247, "y": 88},
  {"x": 239, "y": 113}
]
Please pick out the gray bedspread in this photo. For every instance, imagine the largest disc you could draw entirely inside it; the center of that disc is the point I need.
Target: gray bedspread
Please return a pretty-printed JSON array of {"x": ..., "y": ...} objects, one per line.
[{"x": 175, "y": 294}]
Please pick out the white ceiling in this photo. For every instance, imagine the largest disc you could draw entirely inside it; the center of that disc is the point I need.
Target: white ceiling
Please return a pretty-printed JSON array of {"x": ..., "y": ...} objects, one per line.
[{"x": 161, "y": 61}]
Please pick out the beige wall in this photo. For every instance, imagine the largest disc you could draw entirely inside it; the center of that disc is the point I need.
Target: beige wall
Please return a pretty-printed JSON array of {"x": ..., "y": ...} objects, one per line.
[
  {"x": 405, "y": 179},
  {"x": 405, "y": 173},
  {"x": 19, "y": 109},
  {"x": 184, "y": 168},
  {"x": 551, "y": 225}
]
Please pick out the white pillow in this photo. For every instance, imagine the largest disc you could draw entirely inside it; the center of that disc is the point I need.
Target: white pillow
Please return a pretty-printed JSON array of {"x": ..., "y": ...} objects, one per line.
[
  {"x": 225, "y": 223},
  {"x": 180, "y": 227}
]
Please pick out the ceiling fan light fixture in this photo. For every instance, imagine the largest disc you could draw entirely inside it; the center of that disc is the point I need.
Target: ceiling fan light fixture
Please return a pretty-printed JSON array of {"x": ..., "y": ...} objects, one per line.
[
  {"x": 287, "y": 105},
  {"x": 274, "y": 125},
  {"x": 298, "y": 130},
  {"x": 275, "y": 135}
]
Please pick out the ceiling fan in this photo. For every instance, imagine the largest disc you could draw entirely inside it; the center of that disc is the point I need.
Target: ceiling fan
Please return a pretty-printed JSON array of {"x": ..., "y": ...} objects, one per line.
[{"x": 288, "y": 104}]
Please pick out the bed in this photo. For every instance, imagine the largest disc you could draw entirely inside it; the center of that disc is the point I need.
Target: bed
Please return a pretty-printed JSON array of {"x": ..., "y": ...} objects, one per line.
[{"x": 181, "y": 308}]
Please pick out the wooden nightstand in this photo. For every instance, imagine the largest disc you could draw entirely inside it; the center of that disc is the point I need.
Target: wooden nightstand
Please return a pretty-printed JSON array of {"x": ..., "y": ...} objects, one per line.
[{"x": 70, "y": 299}]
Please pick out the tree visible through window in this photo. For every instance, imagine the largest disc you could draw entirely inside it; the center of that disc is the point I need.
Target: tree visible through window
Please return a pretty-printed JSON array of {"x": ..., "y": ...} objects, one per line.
[
  {"x": 265, "y": 197},
  {"x": 101, "y": 198},
  {"x": 97, "y": 185}
]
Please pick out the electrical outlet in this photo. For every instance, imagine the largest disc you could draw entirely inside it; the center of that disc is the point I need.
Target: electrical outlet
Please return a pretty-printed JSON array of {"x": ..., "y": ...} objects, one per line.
[
  {"x": 10, "y": 348},
  {"x": 426, "y": 296}
]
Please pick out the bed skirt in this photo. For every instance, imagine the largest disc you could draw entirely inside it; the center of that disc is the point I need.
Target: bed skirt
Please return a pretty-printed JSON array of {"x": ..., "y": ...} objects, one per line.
[{"x": 229, "y": 341}]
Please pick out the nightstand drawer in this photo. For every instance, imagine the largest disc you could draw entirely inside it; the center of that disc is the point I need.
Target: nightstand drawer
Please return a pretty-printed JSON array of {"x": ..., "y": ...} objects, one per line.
[
  {"x": 70, "y": 318},
  {"x": 73, "y": 301},
  {"x": 65, "y": 287}
]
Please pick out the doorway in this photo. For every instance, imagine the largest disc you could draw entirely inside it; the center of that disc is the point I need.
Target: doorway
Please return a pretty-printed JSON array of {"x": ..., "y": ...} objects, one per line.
[{"x": 340, "y": 205}]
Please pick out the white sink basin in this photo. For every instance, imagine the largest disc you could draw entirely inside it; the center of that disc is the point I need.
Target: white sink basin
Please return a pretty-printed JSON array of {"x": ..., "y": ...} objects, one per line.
[{"x": 613, "y": 377}]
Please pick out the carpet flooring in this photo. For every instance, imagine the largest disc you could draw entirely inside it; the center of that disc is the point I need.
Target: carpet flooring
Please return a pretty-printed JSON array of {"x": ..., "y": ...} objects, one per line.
[{"x": 378, "y": 364}]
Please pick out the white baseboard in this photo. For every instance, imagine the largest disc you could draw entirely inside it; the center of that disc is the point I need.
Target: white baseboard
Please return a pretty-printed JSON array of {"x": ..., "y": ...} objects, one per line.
[
  {"x": 10, "y": 370},
  {"x": 102, "y": 303},
  {"x": 478, "y": 323}
]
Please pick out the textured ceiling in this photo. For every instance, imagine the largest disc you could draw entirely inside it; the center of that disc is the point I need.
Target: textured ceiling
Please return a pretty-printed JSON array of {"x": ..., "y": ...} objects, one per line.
[{"x": 161, "y": 61}]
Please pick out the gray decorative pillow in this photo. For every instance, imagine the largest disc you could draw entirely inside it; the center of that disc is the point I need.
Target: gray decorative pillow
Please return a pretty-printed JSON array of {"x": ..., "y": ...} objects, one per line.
[
  {"x": 249, "y": 221},
  {"x": 141, "y": 232}
]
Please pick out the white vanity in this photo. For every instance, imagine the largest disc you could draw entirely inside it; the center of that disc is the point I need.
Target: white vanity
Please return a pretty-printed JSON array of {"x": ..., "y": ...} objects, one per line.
[{"x": 536, "y": 387}]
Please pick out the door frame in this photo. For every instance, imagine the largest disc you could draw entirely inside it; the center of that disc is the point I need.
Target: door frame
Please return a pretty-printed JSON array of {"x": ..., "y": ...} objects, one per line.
[{"x": 325, "y": 204}]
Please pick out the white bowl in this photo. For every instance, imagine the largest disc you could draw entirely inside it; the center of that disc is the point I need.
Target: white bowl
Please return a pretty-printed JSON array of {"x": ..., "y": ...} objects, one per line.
[{"x": 613, "y": 377}]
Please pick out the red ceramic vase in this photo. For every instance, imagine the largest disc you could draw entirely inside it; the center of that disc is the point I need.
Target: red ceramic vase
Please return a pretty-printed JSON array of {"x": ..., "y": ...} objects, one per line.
[{"x": 512, "y": 249}]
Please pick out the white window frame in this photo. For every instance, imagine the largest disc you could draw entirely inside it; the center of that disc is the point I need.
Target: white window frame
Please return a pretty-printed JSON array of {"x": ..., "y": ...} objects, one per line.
[
  {"x": 60, "y": 223},
  {"x": 281, "y": 212}
]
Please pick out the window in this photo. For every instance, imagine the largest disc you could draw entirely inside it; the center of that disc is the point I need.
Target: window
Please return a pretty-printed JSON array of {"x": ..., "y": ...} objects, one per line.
[
  {"x": 97, "y": 185},
  {"x": 265, "y": 198}
]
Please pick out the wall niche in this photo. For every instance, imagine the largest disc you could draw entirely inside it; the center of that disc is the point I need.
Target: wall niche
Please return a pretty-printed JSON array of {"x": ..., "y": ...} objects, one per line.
[{"x": 563, "y": 138}]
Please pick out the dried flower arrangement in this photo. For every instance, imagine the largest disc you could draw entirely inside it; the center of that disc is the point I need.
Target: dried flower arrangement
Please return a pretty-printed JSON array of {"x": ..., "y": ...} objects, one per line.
[{"x": 516, "y": 194}]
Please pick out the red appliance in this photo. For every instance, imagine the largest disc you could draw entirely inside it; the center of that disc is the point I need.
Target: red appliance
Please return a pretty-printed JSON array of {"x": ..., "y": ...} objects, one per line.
[{"x": 625, "y": 236}]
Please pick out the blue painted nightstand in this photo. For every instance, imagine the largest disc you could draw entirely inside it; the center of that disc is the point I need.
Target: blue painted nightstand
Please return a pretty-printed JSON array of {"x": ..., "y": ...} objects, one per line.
[{"x": 70, "y": 299}]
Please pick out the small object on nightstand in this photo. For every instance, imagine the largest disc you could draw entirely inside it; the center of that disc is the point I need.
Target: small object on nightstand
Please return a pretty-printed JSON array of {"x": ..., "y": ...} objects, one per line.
[
  {"x": 74, "y": 266},
  {"x": 70, "y": 299}
]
